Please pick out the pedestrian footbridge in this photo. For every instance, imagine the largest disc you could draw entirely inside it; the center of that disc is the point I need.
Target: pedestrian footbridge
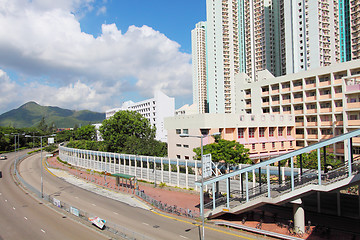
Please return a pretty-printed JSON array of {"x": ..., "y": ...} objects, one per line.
[{"x": 297, "y": 185}]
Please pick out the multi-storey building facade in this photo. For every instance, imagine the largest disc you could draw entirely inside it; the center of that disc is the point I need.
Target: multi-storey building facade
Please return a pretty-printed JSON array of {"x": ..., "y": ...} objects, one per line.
[
  {"x": 154, "y": 109},
  {"x": 198, "y": 41},
  {"x": 222, "y": 53},
  {"x": 311, "y": 33},
  {"x": 325, "y": 101},
  {"x": 264, "y": 135},
  {"x": 355, "y": 28}
]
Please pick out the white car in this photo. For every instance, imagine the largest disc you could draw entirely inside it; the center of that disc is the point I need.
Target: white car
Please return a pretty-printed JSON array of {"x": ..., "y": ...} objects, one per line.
[
  {"x": 3, "y": 157},
  {"x": 100, "y": 223}
]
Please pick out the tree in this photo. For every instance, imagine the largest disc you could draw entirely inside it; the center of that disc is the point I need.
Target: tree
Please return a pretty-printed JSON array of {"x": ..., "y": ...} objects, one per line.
[
  {"x": 87, "y": 132},
  {"x": 231, "y": 152},
  {"x": 146, "y": 147},
  {"x": 117, "y": 130},
  {"x": 310, "y": 160}
]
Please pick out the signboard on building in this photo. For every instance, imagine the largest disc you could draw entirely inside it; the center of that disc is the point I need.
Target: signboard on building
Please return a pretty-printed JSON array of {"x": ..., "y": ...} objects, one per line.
[
  {"x": 207, "y": 165},
  {"x": 51, "y": 140}
]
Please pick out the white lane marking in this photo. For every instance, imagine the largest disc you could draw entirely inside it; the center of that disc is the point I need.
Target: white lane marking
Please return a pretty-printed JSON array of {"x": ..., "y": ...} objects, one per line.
[
  {"x": 5, "y": 200},
  {"x": 77, "y": 197},
  {"x": 183, "y": 236},
  {"x": 0, "y": 193},
  {"x": 145, "y": 224},
  {"x": 116, "y": 213},
  {"x": 93, "y": 205},
  {"x": 25, "y": 218},
  {"x": 43, "y": 231},
  {"x": 13, "y": 208}
]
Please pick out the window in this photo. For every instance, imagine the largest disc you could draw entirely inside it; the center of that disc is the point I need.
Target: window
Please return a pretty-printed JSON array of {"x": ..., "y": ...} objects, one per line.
[
  {"x": 253, "y": 146},
  {"x": 186, "y": 146},
  {"x": 291, "y": 143},
  {"x": 185, "y": 131},
  {"x": 251, "y": 132},
  {"x": 241, "y": 132},
  {"x": 178, "y": 145},
  {"x": 282, "y": 144},
  {"x": 178, "y": 131},
  {"x": 263, "y": 145},
  {"x": 178, "y": 156},
  {"x": 271, "y": 131},
  {"x": 262, "y": 132},
  {"x": 280, "y": 131},
  {"x": 288, "y": 131},
  {"x": 273, "y": 144},
  {"x": 187, "y": 157}
]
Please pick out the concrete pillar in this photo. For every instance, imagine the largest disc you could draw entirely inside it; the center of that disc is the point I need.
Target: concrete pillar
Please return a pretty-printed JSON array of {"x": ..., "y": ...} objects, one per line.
[{"x": 299, "y": 215}]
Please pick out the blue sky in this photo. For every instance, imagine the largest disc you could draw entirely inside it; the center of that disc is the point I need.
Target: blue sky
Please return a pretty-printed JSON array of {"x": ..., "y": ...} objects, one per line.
[{"x": 87, "y": 54}]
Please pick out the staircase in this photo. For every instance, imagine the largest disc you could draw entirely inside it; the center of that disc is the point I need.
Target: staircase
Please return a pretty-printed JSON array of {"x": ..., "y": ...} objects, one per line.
[{"x": 296, "y": 187}]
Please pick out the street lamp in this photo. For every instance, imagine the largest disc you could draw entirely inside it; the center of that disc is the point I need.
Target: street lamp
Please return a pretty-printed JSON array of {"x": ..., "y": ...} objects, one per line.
[
  {"x": 202, "y": 178},
  {"x": 18, "y": 135},
  {"x": 42, "y": 196}
]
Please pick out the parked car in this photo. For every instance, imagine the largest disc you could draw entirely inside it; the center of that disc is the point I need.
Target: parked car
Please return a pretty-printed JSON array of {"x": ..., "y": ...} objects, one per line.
[
  {"x": 100, "y": 223},
  {"x": 3, "y": 157}
]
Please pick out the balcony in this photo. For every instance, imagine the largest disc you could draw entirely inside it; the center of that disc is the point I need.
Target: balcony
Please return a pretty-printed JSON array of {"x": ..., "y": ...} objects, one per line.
[
  {"x": 354, "y": 122},
  {"x": 324, "y": 110},
  {"x": 338, "y": 95},
  {"x": 265, "y": 93},
  {"x": 310, "y": 111},
  {"x": 311, "y": 98},
  {"x": 324, "y": 83},
  {"x": 353, "y": 105},
  {"x": 286, "y": 101},
  {"x": 300, "y": 136},
  {"x": 275, "y": 91},
  {"x": 311, "y": 124},
  {"x": 326, "y": 136},
  {"x": 312, "y": 136},
  {"x": 299, "y": 124},
  {"x": 353, "y": 88},
  {"x": 325, "y": 96},
  {"x": 311, "y": 85},
  {"x": 326, "y": 123},
  {"x": 264, "y": 104},
  {"x": 338, "y": 81},
  {"x": 286, "y": 89},
  {"x": 297, "y": 88},
  {"x": 299, "y": 112},
  {"x": 277, "y": 102}
]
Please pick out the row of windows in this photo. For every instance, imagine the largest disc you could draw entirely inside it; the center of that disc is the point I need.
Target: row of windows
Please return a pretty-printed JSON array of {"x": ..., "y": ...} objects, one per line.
[
  {"x": 273, "y": 145},
  {"x": 262, "y": 130}
]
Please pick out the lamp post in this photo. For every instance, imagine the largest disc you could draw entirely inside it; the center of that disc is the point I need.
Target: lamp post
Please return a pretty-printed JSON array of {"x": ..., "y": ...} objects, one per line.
[
  {"x": 41, "y": 137},
  {"x": 202, "y": 179}
]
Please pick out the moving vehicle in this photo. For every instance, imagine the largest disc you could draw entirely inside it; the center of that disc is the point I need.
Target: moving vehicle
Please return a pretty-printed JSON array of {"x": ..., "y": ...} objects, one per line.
[
  {"x": 100, "y": 223},
  {"x": 3, "y": 157}
]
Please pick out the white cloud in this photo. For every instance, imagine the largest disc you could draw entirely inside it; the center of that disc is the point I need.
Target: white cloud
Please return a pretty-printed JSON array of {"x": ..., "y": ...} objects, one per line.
[
  {"x": 44, "y": 38},
  {"x": 101, "y": 10}
]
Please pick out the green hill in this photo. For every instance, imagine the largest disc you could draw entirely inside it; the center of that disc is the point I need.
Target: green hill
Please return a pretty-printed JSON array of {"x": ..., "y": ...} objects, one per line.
[{"x": 31, "y": 113}]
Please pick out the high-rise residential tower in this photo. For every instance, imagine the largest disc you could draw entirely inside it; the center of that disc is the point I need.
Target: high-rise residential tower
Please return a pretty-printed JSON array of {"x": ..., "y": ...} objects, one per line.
[
  {"x": 355, "y": 28},
  {"x": 311, "y": 33},
  {"x": 222, "y": 53},
  {"x": 198, "y": 41}
]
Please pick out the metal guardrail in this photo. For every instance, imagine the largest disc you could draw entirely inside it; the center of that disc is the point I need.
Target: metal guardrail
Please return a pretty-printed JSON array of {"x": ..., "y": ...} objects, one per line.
[
  {"x": 309, "y": 177},
  {"x": 116, "y": 229}
]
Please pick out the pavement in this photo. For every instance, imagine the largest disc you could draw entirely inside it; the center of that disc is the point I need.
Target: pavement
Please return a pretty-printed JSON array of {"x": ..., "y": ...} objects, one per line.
[{"x": 182, "y": 198}]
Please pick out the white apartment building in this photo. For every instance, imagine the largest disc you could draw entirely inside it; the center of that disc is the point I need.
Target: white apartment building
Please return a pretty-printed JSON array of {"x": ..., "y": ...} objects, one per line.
[
  {"x": 325, "y": 101},
  {"x": 311, "y": 34},
  {"x": 355, "y": 28},
  {"x": 154, "y": 109},
  {"x": 198, "y": 41},
  {"x": 187, "y": 110},
  {"x": 265, "y": 135},
  {"x": 222, "y": 43}
]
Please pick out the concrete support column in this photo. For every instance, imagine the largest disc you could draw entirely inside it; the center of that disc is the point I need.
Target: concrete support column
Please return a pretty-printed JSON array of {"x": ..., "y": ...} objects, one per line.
[{"x": 299, "y": 215}]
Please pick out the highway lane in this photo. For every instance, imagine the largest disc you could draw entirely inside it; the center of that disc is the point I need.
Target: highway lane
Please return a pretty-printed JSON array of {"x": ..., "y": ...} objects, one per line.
[
  {"x": 148, "y": 223},
  {"x": 23, "y": 217}
]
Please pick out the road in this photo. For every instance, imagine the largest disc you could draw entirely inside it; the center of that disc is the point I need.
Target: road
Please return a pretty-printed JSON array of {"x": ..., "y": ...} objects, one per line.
[
  {"x": 23, "y": 217},
  {"x": 148, "y": 223}
]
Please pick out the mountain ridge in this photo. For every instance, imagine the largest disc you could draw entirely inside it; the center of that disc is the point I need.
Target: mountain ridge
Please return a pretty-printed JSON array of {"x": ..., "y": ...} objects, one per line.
[{"x": 31, "y": 113}]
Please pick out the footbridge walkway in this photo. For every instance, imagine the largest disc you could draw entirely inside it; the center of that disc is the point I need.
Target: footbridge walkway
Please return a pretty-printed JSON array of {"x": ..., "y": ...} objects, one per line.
[{"x": 322, "y": 179}]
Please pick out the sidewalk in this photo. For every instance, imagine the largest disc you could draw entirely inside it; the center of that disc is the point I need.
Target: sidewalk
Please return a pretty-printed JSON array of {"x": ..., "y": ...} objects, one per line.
[{"x": 186, "y": 199}]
